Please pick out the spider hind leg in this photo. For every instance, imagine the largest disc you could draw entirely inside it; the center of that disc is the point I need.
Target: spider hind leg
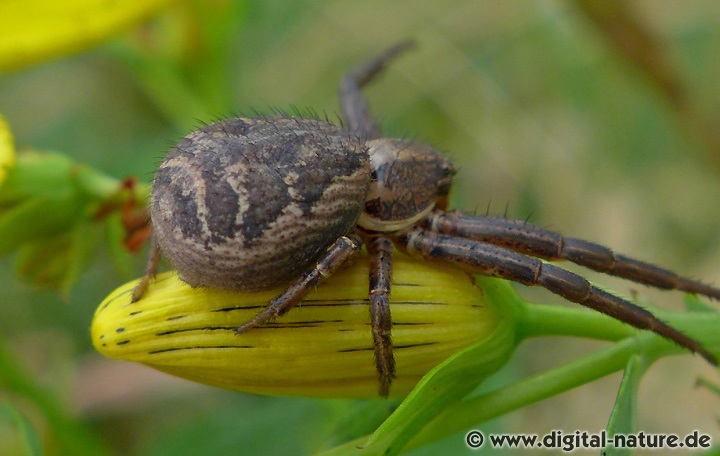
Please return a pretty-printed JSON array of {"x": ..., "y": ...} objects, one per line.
[{"x": 491, "y": 260}]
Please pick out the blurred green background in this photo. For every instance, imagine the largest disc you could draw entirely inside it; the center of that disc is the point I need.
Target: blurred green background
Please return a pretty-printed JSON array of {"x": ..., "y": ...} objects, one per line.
[{"x": 599, "y": 121}]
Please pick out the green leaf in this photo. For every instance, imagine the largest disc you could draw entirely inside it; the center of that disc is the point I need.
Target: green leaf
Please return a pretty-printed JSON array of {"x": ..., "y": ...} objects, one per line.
[
  {"x": 693, "y": 303},
  {"x": 623, "y": 418},
  {"x": 361, "y": 418},
  {"x": 43, "y": 262},
  {"x": 448, "y": 383},
  {"x": 48, "y": 209},
  {"x": 471, "y": 411},
  {"x": 475, "y": 410},
  {"x": 115, "y": 235},
  {"x": 84, "y": 241},
  {"x": 58, "y": 261},
  {"x": 712, "y": 386},
  {"x": 30, "y": 436},
  {"x": 36, "y": 219}
]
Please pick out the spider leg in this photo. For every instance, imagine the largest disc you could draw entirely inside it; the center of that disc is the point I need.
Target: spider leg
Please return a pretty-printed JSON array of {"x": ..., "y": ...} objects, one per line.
[
  {"x": 343, "y": 249},
  {"x": 521, "y": 237},
  {"x": 380, "y": 249},
  {"x": 150, "y": 271},
  {"x": 355, "y": 108},
  {"x": 487, "y": 259}
]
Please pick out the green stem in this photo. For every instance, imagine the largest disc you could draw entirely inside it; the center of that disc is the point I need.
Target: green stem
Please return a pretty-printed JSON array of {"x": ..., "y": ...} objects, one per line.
[
  {"x": 95, "y": 183},
  {"x": 473, "y": 411},
  {"x": 553, "y": 320},
  {"x": 540, "y": 320},
  {"x": 470, "y": 412}
]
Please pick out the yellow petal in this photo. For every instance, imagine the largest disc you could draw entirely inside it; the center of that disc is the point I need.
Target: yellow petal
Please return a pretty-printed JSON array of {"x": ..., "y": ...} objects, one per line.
[
  {"x": 7, "y": 149},
  {"x": 35, "y": 30},
  {"x": 323, "y": 348}
]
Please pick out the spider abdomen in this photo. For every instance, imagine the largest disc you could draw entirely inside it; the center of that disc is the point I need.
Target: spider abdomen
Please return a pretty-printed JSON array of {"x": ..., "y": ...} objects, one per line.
[{"x": 249, "y": 204}]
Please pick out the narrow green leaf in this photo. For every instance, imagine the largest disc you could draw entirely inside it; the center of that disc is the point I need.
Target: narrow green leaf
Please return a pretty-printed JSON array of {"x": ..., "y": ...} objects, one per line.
[
  {"x": 624, "y": 414},
  {"x": 475, "y": 410},
  {"x": 472, "y": 411},
  {"x": 712, "y": 386},
  {"x": 31, "y": 437},
  {"x": 445, "y": 385},
  {"x": 361, "y": 418}
]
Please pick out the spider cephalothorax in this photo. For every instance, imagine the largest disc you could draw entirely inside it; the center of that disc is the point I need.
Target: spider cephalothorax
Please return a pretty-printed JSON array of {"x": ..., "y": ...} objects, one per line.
[{"x": 252, "y": 204}]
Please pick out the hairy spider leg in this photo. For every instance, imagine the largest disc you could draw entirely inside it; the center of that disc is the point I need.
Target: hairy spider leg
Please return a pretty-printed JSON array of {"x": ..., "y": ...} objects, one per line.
[
  {"x": 342, "y": 250},
  {"x": 150, "y": 270},
  {"x": 355, "y": 107},
  {"x": 381, "y": 250},
  {"x": 359, "y": 121},
  {"x": 491, "y": 260},
  {"x": 524, "y": 238}
]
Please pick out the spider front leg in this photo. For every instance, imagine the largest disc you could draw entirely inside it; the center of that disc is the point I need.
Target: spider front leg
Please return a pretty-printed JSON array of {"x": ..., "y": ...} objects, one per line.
[
  {"x": 355, "y": 108},
  {"x": 380, "y": 249},
  {"x": 342, "y": 250},
  {"x": 487, "y": 259},
  {"x": 522, "y": 237}
]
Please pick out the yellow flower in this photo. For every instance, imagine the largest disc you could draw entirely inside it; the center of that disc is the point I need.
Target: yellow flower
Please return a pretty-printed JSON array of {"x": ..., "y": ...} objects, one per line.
[
  {"x": 35, "y": 30},
  {"x": 7, "y": 149},
  {"x": 323, "y": 348}
]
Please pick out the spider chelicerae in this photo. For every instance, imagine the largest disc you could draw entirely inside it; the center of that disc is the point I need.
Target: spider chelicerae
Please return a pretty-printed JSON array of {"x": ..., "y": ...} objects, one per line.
[{"x": 405, "y": 205}]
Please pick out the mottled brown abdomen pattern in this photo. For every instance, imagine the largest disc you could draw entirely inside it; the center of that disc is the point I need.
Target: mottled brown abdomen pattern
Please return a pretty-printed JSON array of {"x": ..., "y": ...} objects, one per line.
[{"x": 250, "y": 204}]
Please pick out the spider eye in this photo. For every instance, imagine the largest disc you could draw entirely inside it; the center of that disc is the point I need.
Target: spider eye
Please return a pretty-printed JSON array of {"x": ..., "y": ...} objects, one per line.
[{"x": 448, "y": 169}]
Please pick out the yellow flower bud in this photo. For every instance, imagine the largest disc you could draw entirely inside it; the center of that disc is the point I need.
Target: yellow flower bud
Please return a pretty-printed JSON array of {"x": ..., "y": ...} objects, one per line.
[
  {"x": 322, "y": 348},
  {"x": 36, "y": 30}
]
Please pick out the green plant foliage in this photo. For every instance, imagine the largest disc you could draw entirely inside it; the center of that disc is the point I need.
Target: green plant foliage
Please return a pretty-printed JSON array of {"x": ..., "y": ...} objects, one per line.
[
  {"x": 30, "y": 440},
  {"x": 623, "y": 418},
  {"x": 50, "y": 210}
]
